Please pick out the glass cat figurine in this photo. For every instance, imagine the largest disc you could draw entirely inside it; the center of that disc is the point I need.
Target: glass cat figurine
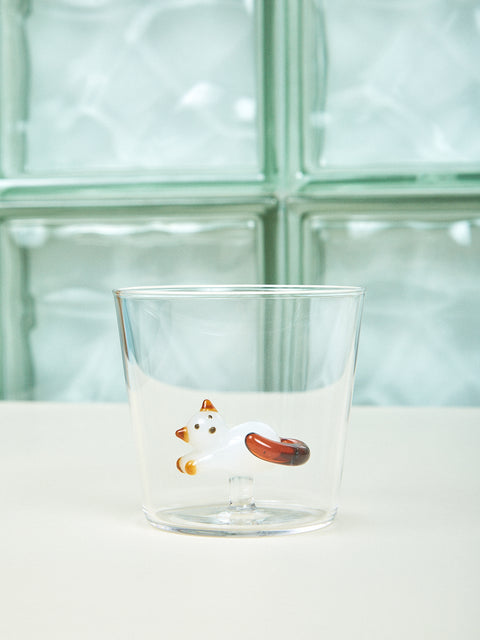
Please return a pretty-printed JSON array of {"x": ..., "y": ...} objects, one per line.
[{"x": 237, "y": 450}]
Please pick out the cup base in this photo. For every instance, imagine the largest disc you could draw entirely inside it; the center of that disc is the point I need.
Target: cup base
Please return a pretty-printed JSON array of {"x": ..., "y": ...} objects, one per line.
[{"x": 263, "y": 519}]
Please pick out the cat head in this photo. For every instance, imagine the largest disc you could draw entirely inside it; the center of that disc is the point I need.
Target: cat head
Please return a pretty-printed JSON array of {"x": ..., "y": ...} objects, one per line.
[{"x": 204, "y": 428}]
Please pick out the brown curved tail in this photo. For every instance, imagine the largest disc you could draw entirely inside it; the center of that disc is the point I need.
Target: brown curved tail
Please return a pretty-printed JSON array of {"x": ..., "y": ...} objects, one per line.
[{"x": 288, "y": 451}]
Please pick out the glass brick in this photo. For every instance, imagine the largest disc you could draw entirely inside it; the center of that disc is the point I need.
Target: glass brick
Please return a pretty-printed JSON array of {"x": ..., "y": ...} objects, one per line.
[
  {"x": 59, "y": 335},
  {"x": 420, "y": 263},
  {"x": 134, "y": 87},
  {"x": 387, "y": 88}
]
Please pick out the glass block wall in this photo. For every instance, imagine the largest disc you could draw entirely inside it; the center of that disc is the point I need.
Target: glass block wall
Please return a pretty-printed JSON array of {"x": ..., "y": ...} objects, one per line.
[{"x": 240, "y": 141}]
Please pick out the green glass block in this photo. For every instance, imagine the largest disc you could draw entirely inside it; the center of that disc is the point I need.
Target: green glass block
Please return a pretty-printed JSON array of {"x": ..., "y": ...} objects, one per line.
[
  {"x": 419, "y": 260},
  {"x": 171, "y": 91},
  {"x": 384, "y": 89},
  {"x": 58, "y": 335}
]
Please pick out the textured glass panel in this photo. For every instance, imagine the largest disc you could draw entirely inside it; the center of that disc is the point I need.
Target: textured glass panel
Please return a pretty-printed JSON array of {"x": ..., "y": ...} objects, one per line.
[
  {"x": 390, "y": 86},
  {"x": 59, "y": 336},
  {"x": 420, "y": 340},
  {"x": 135, "y": 85}
]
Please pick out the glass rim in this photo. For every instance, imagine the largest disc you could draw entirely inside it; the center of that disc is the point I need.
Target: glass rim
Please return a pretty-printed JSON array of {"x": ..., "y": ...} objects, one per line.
[{"x": 234, "y": 290}]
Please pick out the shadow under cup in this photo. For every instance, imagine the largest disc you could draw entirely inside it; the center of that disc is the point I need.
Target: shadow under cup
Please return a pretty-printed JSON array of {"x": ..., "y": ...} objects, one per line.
[{"x": 240, "y": 399}]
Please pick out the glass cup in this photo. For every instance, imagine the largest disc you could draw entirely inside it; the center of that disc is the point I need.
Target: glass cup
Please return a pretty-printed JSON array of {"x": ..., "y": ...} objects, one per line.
[{"x": 240, "y": 397}]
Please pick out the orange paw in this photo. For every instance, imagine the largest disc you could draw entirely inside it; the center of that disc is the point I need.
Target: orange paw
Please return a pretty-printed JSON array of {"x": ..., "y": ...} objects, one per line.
[
  {"x": 191, "y": 468},
  {"x": 178, "y": 466}
]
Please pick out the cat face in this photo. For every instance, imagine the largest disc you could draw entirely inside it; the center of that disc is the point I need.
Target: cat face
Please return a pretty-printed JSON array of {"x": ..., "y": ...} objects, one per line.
[{"x": 204, "y": 429}]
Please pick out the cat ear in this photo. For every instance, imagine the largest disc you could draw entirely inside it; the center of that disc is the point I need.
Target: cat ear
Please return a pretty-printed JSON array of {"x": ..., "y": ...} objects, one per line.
[{"x": 207, "y": 406}]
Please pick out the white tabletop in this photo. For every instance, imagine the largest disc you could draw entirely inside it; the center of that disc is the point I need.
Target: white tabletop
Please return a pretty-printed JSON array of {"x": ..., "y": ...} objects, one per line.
[{"x": 78, "y": 560}]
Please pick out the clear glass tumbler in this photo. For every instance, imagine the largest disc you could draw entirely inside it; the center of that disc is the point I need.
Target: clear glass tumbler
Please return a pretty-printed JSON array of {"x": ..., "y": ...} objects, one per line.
[{"x": 240, "y": 397}]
